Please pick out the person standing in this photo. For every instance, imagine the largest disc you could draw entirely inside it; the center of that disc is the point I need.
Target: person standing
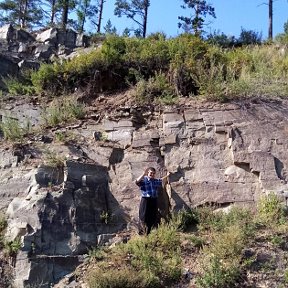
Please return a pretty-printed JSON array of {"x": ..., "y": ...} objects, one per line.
[{"x": 148, "y": 209}]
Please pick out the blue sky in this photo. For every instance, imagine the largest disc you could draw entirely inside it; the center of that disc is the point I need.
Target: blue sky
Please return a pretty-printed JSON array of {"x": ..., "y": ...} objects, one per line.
[{"x": 231, "y": 16}]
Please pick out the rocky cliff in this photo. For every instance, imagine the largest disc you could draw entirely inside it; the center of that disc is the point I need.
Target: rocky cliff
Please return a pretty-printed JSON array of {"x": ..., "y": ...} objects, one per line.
[
  {"x": 21, "y": 50},
  {"x": 229, "y": 154}
]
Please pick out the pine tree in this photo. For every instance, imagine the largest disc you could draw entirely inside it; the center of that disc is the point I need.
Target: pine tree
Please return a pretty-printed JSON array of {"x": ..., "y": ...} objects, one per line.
[
  {"x": 195, "y": 22},
  {"x": 66, "y": 6},
  {"x": 109, "y": 28},
  {"x": 23, "y": 13},
  {"x": 52, "y": 9},
  {"x": 82, "y": 11},
  {"x": 137, "y": 10}
]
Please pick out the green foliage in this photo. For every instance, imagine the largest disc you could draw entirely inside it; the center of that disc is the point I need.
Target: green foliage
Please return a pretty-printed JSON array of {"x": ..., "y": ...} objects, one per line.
[
  {"x": 105, "y": 217},
  {"x": 286, "y": 276},
  {"x": 109, "y": 28},
  {"x": 19, "y": 14},
  {"x": 270, "y": 210},
  {"x": 197, "y": 241},
  {"x": 150, "y": 261},
  {"x": 46, "y": 78},
  {"x": 96, "y": 254},
  {"x": 277, "y": 240},
  {"x": 211, "y": 220},
  {"x": 3, "y": 225},
  {"x": 195, "y": 22},
  {"x": 12, "y": 130},
  {"x": 221, "y": 39},
  {"x": 183, "y": 219},
  {"x": 156, "y": 87},
  {"x": 221, "y": 260},
  {"x": 248, "y": 37},
  {"x": 164, "y": 69},
  {"x": 218, "y": 276},
  {"x": 63, "y": 111},
  {"x": 52, "y": 159},
  {"x": 126, "y": 278},
  {"x": 17, "y": 87},
  {"x": 136, "y": 11},
  {"x": 11, "y": 248}
]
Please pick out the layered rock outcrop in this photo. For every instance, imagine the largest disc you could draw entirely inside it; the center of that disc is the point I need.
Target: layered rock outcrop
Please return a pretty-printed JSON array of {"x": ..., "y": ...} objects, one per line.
[
  {"x": 229, "y": 154},
  {"x": 21, "y": 50}
]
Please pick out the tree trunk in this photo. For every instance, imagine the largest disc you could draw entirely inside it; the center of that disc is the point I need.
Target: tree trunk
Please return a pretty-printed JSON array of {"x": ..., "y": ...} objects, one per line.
[
  {"x": 53, "y": 11},
  {"x": 23, "y": 12},
  {"x": 65, "y": 14},
  {"x": 146, "y": 6},
  {"x": 100, "y": 15},
  {"x": 270, "y": 29}
]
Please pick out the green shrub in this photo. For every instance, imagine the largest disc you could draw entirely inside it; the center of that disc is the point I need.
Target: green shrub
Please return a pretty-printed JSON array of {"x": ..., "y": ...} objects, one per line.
[
  {"x": 11, "y": 248},
  {"x": 218, "y": 275},
  {"x": 187, "y": 65},
  {"x": 209, "y": 219},
  {"x": 52, "y": 159},
  {"x": 62, "y": 111},
  {"x": 270, "y": 210},
  {"x": 197, "y": 241},
  {"x": 106, "y": 217},
  {"x": 156, "y": 87},
  {"x": 183, "y": 219},
  {"x": 12, "y": 130},
  {"x": 124, "y": 278},
  {"x": 3, "y": 223},
  {"x": 96, "y": 254},
  {"x": 221, "y": 258},
  {"x": 151, "y": 261},
  {"x": 46, "y": 78},
  {"x": 17, "y": 87}
]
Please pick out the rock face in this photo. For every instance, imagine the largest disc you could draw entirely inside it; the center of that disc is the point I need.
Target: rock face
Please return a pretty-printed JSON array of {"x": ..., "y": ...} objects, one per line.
[
  {"x": 225, "y": 154},
  {"x": 20, "y": 50}
]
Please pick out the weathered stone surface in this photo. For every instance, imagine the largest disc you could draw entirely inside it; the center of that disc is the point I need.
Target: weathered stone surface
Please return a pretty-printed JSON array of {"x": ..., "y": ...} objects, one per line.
[
  {"x": 46, "y": 46},
  {"x": 7, "y": 32},
  {"x": 43, "y": 51},
  {"x": 25, "y": 113},
  {"x": 49, "y": 35},
  {"x": 8, "y": 66},
  {"x": 224, "y": 156},
  {"x": 123, "y": 137}
]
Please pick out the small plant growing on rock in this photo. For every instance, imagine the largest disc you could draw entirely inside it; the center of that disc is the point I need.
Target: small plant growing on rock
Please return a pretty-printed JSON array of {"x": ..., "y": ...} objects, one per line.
[
  {"x": 3, "y": 225},
  {"x": 105, "y": 217},
  {"x": 54, "y": 160},
  {"x": 96, "y": 254},
  {"x": 270, "y": 210},
  {"x": 12, "y": 130},
  {"x": 63, "y": 111},
  {"x": 11, "y": 248}
]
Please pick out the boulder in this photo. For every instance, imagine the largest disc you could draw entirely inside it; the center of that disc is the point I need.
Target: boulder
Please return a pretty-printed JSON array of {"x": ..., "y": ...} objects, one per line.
[{"x": 7, "y": 33}]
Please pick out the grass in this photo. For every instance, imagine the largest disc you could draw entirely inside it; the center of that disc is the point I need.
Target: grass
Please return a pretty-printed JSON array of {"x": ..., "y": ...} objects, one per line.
[
  {"x": 215, "y": 248},
  {"x": 3, "y": 225},
  {"x": 52, "y": 159},
  {"x": 163, "y": 69},
  {"x": 62, "y": 111},
  {"x": 12, "y": 130}
]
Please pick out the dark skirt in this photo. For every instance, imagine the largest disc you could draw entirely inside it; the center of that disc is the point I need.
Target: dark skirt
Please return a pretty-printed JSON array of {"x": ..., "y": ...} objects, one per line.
[{"x": 148, "y": 212}]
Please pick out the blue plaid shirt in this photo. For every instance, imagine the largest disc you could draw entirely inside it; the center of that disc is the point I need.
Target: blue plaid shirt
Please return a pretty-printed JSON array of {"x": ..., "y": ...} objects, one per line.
[{"x": 149, "y": 187}]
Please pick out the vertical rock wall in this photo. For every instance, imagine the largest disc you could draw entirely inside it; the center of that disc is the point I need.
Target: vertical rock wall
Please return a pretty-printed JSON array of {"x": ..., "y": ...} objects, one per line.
[{"x": 225, "y": 154}]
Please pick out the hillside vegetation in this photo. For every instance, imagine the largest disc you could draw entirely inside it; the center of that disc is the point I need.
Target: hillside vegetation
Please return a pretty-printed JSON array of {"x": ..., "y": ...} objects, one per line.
[
  {"x": 202, "y": 248},
  {"x": 165, "y": 69}
]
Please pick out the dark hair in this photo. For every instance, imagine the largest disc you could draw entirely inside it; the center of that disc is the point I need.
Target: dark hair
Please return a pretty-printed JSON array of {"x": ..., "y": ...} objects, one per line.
[{"x": 150, "y": 169}]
